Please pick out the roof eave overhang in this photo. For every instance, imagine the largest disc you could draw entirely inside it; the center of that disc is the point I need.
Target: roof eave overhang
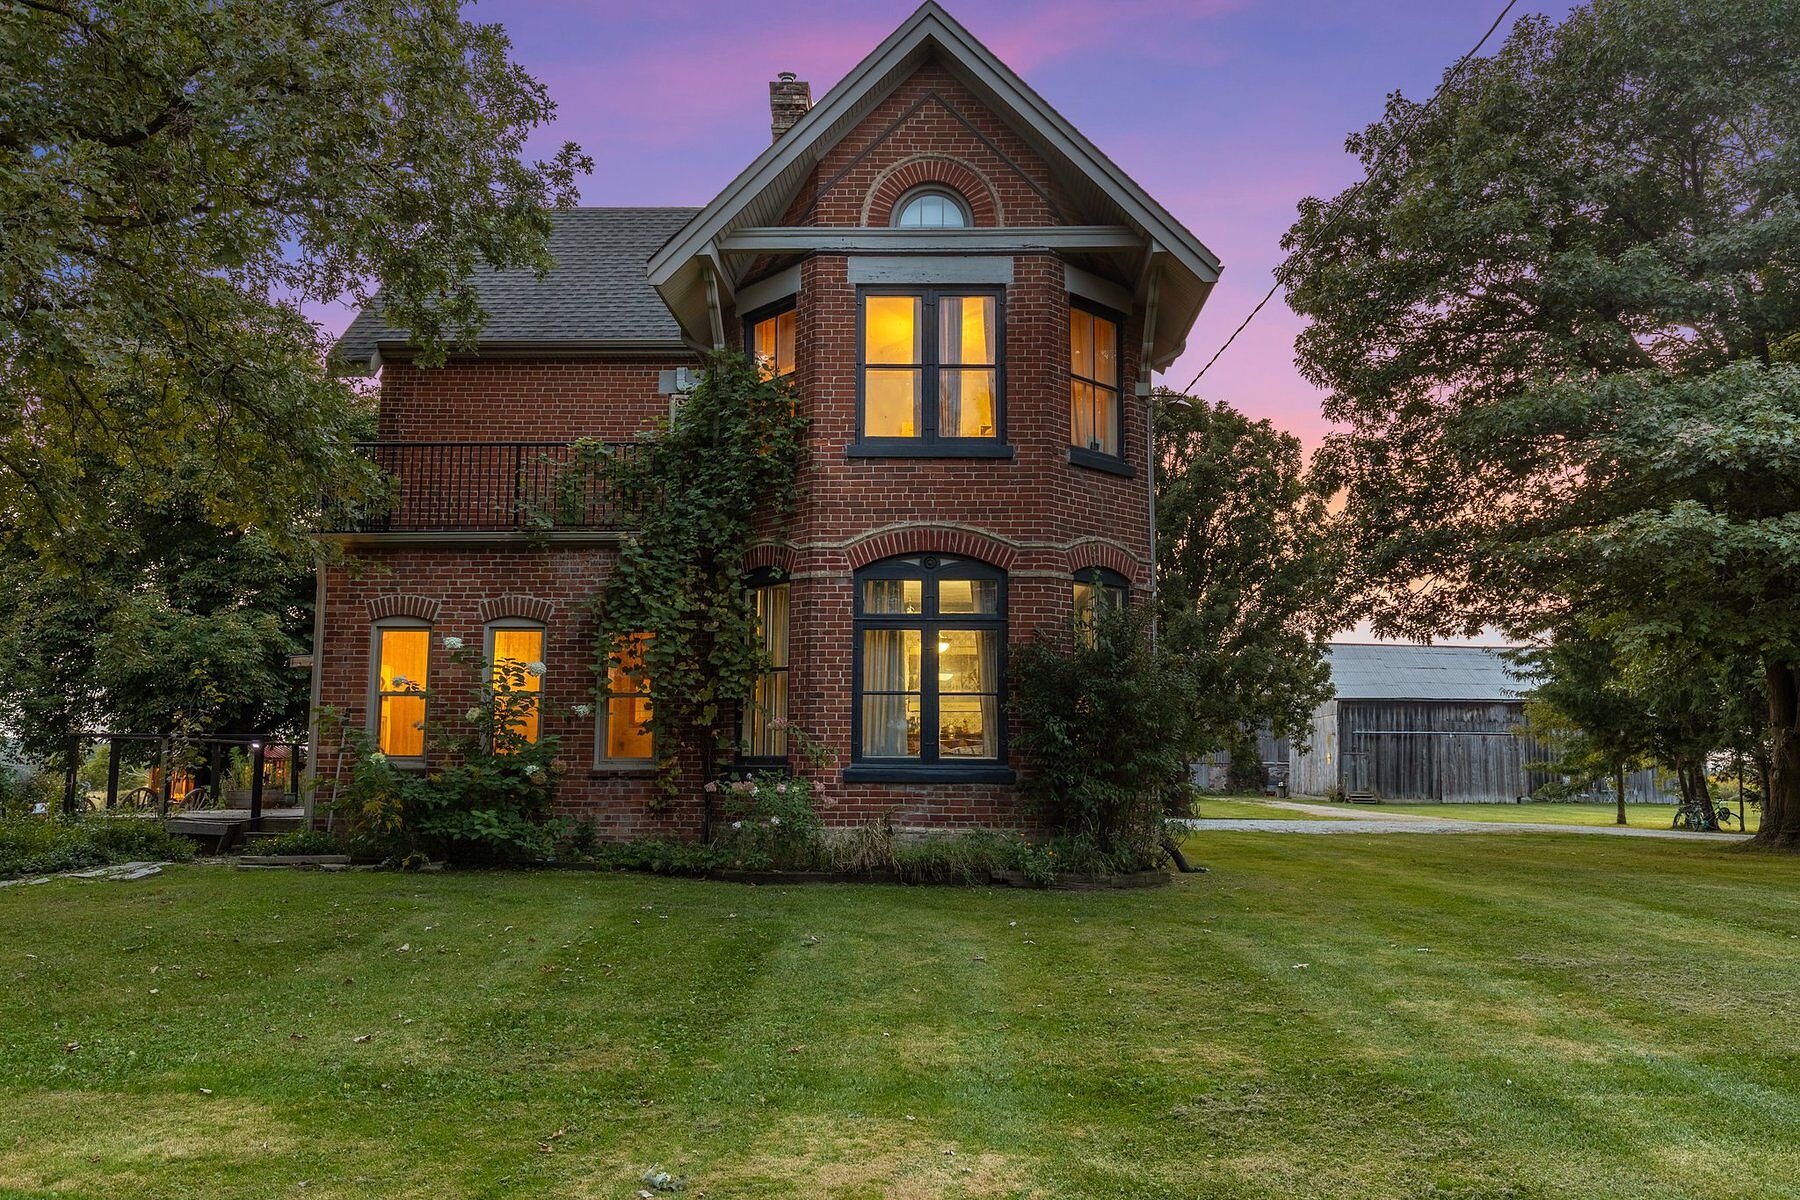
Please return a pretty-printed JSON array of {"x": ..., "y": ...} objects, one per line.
[{"x": 396, "y": 351}]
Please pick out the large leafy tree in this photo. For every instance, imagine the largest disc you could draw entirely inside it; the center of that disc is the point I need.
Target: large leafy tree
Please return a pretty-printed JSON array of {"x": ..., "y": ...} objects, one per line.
[
  {"x": 177, "y": 177},
  {"x": 1246, "y": 570},
  {"x": 1606, "y": 711},
  {"x": 1558, "y": 323},
  {"x": 174, "y": 626}
]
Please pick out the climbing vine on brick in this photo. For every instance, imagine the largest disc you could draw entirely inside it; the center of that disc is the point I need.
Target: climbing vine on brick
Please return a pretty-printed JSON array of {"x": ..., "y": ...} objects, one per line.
[{"x": 697, "y": 494}]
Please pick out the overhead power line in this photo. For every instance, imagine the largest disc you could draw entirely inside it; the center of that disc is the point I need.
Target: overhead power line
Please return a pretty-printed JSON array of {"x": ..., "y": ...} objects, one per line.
[{"x": 1374, "y": 169}]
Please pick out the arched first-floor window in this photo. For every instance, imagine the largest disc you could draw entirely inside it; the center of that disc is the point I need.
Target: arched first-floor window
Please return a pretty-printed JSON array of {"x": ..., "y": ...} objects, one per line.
[
  {"x": 764, "y": 733},
  {"x": 929, "y": 664},
  {"x": 400, "y": 674},
  {"x": 515, "y": 655},
  {"x": 1097, "y": 590}
]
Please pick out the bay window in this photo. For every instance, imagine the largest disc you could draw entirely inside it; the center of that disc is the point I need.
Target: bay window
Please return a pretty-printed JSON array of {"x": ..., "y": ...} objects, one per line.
[
  {"x": 1097, "y": 590},
  {"x": 770, "y": 339},
  {"x": 1096, "y": 416},
  {"x": 929, "y": 666},
  {"x": 931, "y": 371}
]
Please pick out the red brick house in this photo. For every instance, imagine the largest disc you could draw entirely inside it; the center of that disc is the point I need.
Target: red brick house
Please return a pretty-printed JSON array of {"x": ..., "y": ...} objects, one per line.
[{"x": 970, "y": 297}]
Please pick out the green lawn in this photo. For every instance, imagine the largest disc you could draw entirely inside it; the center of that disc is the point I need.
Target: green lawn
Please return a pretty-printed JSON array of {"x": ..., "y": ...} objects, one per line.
[
  {"x": 1317, "y": 1017},
  {"x": 1641, "y": 816},
  {"x": 1251, "y": 807}
]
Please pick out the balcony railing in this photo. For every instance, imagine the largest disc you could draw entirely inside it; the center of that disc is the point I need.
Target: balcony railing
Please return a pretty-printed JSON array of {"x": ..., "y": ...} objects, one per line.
[{"x": 479, "y": 487}]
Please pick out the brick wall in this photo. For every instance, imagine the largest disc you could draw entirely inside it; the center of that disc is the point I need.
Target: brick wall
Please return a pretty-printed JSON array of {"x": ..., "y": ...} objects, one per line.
[{"x": 1036, "y": 515}]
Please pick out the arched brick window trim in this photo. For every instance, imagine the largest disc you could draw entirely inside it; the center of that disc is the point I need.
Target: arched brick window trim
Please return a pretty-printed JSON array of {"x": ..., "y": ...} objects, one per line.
[
  {"x": 419, "y": 608},
  {"x": 965, "y": 543},
  {"x": 516, "y": 608},
  {"x": 1108, "y": 556},
  {"x": 952, "y": 174},
  {"x": 771, "y": 557}
]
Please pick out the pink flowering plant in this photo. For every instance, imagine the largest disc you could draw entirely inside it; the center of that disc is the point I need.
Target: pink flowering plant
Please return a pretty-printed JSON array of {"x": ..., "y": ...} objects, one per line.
[{"x": 769, "y": 821}]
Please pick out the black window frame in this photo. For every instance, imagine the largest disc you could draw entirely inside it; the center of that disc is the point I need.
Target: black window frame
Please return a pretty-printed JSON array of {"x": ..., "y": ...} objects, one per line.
[
  {"x": 1083, "y": 456},
  {"x": 1098, "y": 578},
  {"x": 930, "y": 766},
  {"x": 928, "y": 444},
  {"x": 766, "y": 313},
  {"x": 764, "y": 577}
]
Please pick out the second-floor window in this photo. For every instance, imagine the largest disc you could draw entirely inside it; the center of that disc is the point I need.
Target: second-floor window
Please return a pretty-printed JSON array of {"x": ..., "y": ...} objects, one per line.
[
  {"x": 1095, "y": 413},
  {"x": 931, "y": 368},
  {"x": 771, "y": 340}
]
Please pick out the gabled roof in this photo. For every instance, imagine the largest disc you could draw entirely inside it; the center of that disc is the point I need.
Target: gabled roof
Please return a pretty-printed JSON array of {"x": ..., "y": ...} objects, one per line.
[
  {"x": 596, "y": 296},
  {"x": 1402, "y": 671},
  {"x": 762, "y": 192}
]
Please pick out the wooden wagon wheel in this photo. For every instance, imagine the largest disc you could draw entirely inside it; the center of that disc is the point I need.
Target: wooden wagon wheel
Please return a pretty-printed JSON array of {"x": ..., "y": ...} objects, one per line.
[{"x": 140, "y": 799}]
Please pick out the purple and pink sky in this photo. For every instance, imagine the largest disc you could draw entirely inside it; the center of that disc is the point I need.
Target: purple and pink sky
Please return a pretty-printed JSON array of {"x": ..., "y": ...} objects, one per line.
[{"x": 1227, "y": 111}]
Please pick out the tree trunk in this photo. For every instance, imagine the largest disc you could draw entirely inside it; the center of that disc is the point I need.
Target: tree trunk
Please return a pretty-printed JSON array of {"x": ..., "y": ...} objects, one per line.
[
  {"x": 1619, "y": 783},
  {"x": 1781, "y": 798},
  {"x": 1695, "y": 791}
]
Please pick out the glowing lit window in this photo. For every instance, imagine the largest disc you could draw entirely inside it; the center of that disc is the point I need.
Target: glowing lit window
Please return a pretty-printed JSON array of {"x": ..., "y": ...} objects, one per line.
[
  {"x": 516, "y": 660},
  {"x": 931, "y": 209},
  {"x": 765, "y": 716},
  {"x": 930, "y": 661},
  {"x": 624, "y": 731},
  {"x": 771, "y": 341},
  {"x": 402, "y": 671},
  {"x": 1095, "y": 413},
  {"x": 1097, "y": 590},
  {"x": 931, "y": 366}
]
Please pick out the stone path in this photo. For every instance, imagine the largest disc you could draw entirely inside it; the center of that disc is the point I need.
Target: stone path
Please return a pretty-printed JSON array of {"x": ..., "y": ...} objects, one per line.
[
  {"x": 119, "y": 872},
  {"x": 1413, "y": 823}
]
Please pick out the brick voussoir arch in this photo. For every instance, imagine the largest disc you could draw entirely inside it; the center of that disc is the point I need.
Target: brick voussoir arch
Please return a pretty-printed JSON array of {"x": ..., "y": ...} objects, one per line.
[
  {"x": 772, "y": 556},
  {"x": 931, "y": 539},
  {"x": 517, "y": 608},
  {"x": 419, "y": 608},
  {"x": 948, "y": 172},
  {"x": 1108, "y": 555}
]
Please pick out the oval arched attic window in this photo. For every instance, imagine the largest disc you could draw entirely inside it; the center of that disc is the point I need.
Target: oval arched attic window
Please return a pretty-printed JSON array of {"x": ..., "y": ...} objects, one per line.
[{"x": 931, "y": 208}]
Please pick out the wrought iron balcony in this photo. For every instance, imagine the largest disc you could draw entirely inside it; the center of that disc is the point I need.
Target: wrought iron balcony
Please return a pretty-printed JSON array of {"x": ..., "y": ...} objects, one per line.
[{"x": 479, "y": 487}]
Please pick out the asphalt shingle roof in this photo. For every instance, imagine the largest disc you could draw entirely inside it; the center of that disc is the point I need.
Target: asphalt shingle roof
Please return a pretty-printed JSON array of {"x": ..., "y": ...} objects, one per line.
[
  {"x": 596, "y": 293},
  {"x": 1401, "y": 671}
]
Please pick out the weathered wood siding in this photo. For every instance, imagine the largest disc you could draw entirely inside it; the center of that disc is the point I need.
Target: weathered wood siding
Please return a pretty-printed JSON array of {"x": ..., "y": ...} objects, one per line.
[
  {"x": 1313, "y": 769},
  {"x": 1448, "y": 750}
]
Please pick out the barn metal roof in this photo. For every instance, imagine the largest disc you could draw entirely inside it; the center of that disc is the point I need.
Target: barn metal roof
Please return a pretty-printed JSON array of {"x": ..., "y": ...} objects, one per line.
[{"x": 1402, "y": 671}]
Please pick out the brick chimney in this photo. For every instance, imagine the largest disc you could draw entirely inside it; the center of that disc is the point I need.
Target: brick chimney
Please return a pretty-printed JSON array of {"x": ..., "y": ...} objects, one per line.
[{"x": 789, "y": 100}]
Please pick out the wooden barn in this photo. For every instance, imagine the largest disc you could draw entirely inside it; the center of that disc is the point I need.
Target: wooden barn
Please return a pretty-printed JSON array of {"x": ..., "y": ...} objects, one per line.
[{"x": 1418, "y": 723}]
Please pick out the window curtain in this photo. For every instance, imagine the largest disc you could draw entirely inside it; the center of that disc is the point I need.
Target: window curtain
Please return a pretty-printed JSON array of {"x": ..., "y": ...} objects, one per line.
[{"x": 884, "y": 721}]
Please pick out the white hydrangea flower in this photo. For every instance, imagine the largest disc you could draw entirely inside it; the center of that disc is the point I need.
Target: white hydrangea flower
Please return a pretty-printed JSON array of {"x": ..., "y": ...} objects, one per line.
[
  {"x": 452, "y": 642},
  {"x": 534, "y": 668},
  {"x": 774, "y": 820},
  {"x": 582, "y": 710},
  {"x": 473, "y": 715},
  {"x": 377, "y": 757},
  {"x": 737, "y": 824}
]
